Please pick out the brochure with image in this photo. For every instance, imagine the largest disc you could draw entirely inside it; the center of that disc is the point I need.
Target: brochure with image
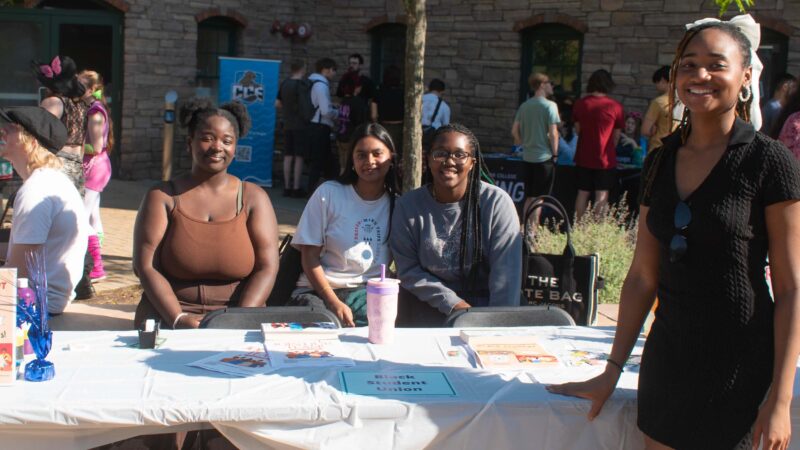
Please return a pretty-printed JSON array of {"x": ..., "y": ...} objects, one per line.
[
  {"x": 308, "y": 353},
  {"x": 509, "y": 352},
  {"x": 282, "y": 330},
  {"x": 241, "y": 364}
]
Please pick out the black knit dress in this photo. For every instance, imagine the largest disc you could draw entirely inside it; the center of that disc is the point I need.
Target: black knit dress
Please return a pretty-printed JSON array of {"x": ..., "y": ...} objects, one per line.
[{"x": 707, "y": 362}]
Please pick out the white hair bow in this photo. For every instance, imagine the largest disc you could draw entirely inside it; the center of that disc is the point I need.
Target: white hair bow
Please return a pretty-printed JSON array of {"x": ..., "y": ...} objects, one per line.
[{"x": 752, "y": 30}]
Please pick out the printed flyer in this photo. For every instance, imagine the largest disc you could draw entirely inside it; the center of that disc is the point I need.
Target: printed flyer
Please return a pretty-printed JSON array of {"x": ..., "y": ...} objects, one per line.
[{"x": 8, "y": 325}]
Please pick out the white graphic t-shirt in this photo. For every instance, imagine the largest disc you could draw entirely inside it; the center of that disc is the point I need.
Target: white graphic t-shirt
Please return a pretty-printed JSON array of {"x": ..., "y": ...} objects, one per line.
[{"x": 351, "y": 231}]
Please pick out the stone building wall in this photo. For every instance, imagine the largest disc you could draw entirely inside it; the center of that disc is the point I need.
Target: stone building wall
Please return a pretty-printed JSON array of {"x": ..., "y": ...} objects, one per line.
[{"x": 473, "y": 45}]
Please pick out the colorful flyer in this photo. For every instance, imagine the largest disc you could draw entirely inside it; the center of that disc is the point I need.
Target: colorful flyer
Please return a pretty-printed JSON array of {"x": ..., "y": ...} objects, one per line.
[
  {"x": 309, "y": 352},
  {"x": 8, "y": 325},
  {"x": 240, "y": 364},
  {"x": 383, "y": 384}
]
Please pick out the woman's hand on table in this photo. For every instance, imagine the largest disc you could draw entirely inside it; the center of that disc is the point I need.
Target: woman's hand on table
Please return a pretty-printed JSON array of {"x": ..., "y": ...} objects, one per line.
[
  {"x": 773, "y": 425},
  {"x": 187, "y": 322},
  {"x": 343, "y": 312},
  {"x": 461, "y": 305},
  {"x": 596, "y": 389}
]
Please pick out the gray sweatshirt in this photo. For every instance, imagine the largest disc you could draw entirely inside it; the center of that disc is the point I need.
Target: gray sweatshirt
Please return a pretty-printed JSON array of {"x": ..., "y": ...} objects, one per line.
[{"x": 425, "y": 240}]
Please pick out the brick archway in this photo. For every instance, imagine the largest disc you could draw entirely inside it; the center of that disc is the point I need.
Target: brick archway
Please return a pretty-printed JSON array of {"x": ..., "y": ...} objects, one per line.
[
  {"x": 779, "y": 25},
  {"x": 563, "y": 19},
  {"x": 385, "y": 19},
  {"x": 120, "y": 5},
  {"x": 228, "y": 13}
]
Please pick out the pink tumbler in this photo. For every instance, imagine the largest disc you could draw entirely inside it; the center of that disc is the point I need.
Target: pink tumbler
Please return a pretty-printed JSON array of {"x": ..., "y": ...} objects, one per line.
[{"x": 382, "y": 308}]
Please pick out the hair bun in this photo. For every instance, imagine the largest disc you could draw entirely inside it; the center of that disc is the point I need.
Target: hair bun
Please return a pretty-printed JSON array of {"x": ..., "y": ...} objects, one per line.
[{"x": 239, "y": 111}]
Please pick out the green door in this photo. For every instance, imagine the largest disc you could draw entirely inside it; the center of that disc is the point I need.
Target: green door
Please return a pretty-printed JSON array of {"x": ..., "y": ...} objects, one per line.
[{"x": 93, "y": 38}]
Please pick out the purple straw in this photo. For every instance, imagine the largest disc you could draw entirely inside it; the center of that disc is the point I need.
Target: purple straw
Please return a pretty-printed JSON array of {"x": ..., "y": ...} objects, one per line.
[{"x": 383, "y": 272}]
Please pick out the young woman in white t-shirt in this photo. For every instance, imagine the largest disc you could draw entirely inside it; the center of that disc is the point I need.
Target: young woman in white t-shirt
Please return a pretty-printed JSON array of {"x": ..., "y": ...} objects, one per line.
[
  {"x": 343, "y": 233},
  {"x": 49, "y": 216}
]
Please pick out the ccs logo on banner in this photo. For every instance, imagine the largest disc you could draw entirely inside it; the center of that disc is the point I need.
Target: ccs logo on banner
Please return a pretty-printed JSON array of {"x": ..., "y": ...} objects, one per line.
[{"x": 249, "y": 87}]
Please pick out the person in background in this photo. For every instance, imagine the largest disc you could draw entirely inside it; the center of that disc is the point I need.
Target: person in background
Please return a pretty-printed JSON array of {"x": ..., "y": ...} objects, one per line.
[
  {"x": 598, "y": 121},
  {"x": 567, "y": 141},
  {"x": 68, "y": 103},
  {"x": 352, "y": 113},
  {"x": 48, "y": 211},
  {"x": 435, "y": 111},
  {"x": 322, "y": 122},
  {"x": 657, "y": 121},
  {"x": 96, "y": 163},
  {"x": 343, "y": 234},
  {"x": 205, "y": 240},
  {"x": 388, "y": 107},
  {"x": 455, "y": 241},
  {"x": 787, "y": 127},
  {"x": 66, "y": 100},
  {"x": 535, "y": 128},
  {"x": 632, "y": 145},
  {"x": 354, "y": 63},
  {"x": 296, "y": 139},
  {"x": 718, "y": 367},
  {"x": 785, "y": 86}
]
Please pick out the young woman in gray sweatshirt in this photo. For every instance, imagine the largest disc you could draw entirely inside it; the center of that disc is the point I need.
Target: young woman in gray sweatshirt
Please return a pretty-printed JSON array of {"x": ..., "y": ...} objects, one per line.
[{"x": 456, "y": 240}]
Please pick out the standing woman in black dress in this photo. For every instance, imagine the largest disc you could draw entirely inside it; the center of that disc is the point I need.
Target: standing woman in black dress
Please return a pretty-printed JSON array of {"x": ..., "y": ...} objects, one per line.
[{"x": 719, "y": 363}]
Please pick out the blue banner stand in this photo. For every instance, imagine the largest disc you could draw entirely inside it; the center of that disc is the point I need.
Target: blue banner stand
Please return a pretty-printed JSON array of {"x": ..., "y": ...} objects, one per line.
[{"x": 253, "y": 82}]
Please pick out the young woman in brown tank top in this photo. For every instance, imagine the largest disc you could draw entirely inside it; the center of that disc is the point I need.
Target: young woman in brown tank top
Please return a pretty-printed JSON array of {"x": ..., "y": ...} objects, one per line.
[{"x": 205, "y": 240}]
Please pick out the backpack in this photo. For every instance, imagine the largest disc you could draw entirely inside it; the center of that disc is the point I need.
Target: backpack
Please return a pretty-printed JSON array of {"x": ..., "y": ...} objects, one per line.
[
  {"x": 307, "y": 110},
  {"x": 300, "y": 106}
]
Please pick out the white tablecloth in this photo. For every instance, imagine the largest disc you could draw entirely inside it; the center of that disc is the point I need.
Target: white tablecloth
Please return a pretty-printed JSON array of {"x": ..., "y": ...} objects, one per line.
[{"x": 105, "y": 391}]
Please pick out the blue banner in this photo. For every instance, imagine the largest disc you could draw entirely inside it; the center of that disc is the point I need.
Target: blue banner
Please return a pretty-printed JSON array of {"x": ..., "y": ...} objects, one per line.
[{"x": 253, "y": 82}]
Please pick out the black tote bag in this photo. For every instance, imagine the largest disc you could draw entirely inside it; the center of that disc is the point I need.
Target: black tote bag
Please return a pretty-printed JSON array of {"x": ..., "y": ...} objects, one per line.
[
  {"x": 565, "y": 280},
  {"x": 290, "y": 267}
]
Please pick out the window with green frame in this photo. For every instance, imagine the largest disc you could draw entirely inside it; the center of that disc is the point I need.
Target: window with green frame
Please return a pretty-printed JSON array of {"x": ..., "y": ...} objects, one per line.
[
  {"x": 216, "y": 36},
  {"x": 388, "y": 48},
  {"x": 555, "y": 50}
]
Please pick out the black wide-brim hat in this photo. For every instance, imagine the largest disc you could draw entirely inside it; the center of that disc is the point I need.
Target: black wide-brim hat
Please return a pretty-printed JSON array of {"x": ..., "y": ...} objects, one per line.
[
  {"x": 40, "y": 123},
  {"x": 60, "y": 76}
]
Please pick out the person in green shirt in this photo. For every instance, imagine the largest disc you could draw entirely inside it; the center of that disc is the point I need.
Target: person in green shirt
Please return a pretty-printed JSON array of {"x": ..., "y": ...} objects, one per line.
[{"x": 536, "y": 130}]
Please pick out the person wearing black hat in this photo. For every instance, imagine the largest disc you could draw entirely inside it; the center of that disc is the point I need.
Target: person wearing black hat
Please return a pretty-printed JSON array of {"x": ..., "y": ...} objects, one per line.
[
  {"x": 67, "y": 103},
  {"x": 48, "y": 211}
]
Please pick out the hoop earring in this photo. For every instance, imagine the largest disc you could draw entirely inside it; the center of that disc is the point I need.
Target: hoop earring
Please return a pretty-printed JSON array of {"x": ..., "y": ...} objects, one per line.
[{"x": 745, "y": 94}]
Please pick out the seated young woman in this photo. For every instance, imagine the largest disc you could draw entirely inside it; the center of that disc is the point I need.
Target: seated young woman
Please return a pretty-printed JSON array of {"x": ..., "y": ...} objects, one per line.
[
  {"x": 205, "y": 240},
  {"x": 456, "y": 240},
  {"x": 48, "y": 211},
  {"x": 343, "y": 233}
]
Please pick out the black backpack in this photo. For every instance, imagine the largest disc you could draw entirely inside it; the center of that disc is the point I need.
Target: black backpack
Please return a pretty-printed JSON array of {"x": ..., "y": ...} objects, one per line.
[{"x": 305, "y": 108}]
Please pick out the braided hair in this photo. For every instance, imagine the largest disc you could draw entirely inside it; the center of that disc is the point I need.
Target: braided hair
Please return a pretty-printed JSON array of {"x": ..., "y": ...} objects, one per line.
[
  {"x": 471, "y": 250},
  {"x": 684, "y": 127}
]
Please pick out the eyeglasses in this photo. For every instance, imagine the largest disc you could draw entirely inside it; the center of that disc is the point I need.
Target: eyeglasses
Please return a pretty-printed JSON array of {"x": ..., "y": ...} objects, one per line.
[
  {"x": 679, "y": 245},
  {"x": 459, "y": 156}
]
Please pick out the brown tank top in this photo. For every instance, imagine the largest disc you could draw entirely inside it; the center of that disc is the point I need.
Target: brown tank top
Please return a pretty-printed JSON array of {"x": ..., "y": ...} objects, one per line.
[
  {"x": 75, "y": 119},
  {"x": 200, "y": 250}
]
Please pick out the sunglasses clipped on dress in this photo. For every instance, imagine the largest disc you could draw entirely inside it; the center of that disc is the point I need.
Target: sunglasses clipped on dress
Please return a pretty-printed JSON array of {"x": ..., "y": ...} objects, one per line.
[{"x": 679, "y": 245}]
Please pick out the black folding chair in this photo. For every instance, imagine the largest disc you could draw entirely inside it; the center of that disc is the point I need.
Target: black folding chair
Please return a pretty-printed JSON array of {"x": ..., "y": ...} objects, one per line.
[
  {"x": 252, "y": 318},
  {"x": 509, "y": 316}
]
